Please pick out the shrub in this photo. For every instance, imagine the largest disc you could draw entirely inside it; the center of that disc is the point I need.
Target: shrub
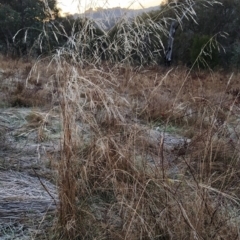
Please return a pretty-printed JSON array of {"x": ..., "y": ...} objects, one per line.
[
  {"x": 204, "y": 52},
  {"x": 235, "y": 60}
]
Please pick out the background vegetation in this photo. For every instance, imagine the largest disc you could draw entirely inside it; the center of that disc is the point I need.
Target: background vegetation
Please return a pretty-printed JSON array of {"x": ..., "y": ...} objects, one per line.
[
  {"x": 40, "y": 30},
  {"x": 118, "y": 174}
]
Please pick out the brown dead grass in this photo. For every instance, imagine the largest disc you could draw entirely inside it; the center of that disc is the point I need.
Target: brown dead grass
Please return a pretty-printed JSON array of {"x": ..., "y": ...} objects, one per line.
[
  {"x": 119, "y": 197},
  {"x": 107, "y": 187},
  {"x": 24, "y": 84}
]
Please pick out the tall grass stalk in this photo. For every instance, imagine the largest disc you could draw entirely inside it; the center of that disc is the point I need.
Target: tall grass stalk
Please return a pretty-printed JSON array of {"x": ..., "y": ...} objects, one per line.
[{"x": 107, "y": 187}]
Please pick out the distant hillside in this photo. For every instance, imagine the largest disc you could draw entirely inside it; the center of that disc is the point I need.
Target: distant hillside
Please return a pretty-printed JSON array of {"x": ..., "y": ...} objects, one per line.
[{"x": 107, "y": 18}]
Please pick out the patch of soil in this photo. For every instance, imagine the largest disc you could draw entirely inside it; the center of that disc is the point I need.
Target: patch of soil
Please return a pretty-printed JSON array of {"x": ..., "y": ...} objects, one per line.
[
  {"x": 30, "y": 137},
  {"x": 28, "y": 197}
]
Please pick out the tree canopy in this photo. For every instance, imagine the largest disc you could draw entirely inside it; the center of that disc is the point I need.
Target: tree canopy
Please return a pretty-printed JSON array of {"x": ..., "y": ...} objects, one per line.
[
  {"x": 16, "y": 15},
  {"x": 142, "y": 40}
]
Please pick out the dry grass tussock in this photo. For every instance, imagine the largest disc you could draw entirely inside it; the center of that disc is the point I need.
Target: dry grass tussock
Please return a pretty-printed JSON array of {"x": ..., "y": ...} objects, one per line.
[
  {"x": 115, "y": 180},
  {"x": 23, "y": 84},
  {"x": 108, "y": 189}
]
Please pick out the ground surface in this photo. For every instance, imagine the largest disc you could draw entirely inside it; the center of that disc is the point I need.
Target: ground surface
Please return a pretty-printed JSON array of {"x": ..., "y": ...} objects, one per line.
[
  {"x": 205, "y": 112},
  {"x": 28, "y": 193},
  {"x": 28, "y": 198}
]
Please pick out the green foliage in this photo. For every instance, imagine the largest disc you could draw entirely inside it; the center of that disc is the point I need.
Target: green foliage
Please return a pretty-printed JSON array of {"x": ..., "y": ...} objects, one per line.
[
  {"x": 21, "y": 21},
  {"x": 139, "y": 41},
  {"x": 212, "y": 20},
  {"x": 10, "y": 23},
  {"x": 204, "y": 52},
  {"x": 235, "y": 60}
]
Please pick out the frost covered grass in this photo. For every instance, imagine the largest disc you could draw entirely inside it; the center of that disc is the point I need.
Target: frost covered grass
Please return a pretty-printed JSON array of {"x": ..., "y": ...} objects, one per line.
[
  {"x": 114, "y": 181},
  {"x": 109, "y": 189},
  {"x": 108, "y": 185}
]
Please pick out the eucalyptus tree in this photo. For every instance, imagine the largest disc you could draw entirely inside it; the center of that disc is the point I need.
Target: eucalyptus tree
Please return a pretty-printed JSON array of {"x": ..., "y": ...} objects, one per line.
[{"x": 216, "y": 20}]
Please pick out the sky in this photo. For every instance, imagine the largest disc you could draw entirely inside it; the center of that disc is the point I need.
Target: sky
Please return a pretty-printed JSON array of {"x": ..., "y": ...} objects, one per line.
[{"x": 79, "y": 6}]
